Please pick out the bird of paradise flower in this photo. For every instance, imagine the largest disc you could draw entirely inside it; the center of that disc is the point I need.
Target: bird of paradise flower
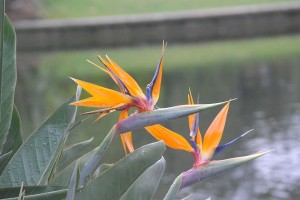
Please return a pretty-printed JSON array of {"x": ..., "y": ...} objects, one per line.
[
  {"x": 131, "y": 95},
  {"x": 203, "y": 151}
]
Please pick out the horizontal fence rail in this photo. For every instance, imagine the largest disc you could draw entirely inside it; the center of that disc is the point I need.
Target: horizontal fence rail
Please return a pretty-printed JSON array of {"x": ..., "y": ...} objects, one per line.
[{"x": 175, "y": 27}]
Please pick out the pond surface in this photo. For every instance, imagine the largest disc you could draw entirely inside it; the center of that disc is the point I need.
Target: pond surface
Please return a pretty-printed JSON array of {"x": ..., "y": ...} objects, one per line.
[{"x": 268, "y": 101}]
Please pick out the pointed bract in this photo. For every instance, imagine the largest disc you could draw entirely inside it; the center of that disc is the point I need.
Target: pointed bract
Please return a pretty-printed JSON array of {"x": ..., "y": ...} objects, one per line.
[
  {"x": 213, "y": 168},
  {"x": 140, "y": 120}
]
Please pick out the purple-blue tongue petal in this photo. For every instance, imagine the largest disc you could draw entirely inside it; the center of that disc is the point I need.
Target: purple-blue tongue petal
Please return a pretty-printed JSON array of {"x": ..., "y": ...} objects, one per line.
[
  {"x": 150, "y": 86},
  {"x": 195, "y": 127},
  {"x": 225, "y": 146}
]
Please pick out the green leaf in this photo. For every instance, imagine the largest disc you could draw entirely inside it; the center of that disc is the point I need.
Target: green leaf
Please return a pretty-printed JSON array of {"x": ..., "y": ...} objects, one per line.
[
  {"x": 102, "y": 168},
  {"x": 14, "y": 138},
  {"x": 8, "y": 76},
  {"x": 94, "y": 160},
  {"x": 188, "y": 197},
  {"x": 115, "y": 181},
  {"x": 175, "y": 187},
  {"x": 72, "y": 153},
  {"x": 73, "y": 182},
  {"x": 13, "y": 192},
  {"x": 13, "y": 141},
  {"x": 64, "y": 176},
  {"x": 4, "y": 159},
  {"x": 34, "y": 161},
  {"x": 51, "y": 170},
  {"x": 145, "y": 186},
  {"x": 140, "y": 120}
]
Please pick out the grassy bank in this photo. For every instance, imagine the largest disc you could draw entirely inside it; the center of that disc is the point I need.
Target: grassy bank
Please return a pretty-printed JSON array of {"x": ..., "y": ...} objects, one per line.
[
  {"x": 227, "y": 53},
  {"x": 79, "y": 8}
]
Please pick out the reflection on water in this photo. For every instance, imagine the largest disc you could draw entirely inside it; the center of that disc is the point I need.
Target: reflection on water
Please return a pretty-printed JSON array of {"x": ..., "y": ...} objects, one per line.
[{"x": 269, "y": 102}]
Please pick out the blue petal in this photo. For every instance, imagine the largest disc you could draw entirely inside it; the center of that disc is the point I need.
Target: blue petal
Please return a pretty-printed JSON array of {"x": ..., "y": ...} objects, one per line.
[
  {"x": 224, "y": 146},
  {"x": 195, "y": 127},
  {"x": 194, "y": 145},
  {"x": 151, "y": 84}
]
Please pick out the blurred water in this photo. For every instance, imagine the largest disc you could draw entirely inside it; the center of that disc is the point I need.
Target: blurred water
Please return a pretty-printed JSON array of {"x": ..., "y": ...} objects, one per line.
[{"x": 268, "y": 102}]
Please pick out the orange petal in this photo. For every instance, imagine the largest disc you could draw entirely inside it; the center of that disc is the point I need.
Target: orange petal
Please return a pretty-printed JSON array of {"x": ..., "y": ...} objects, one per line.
[
  {"x": 191, "y": 121},
  {"x": 191, "y": 117},
  {"x": 199, "y": 140},
  {"x": 171, "y": 139},
  {"x": 215, "y": 131},
  {"x": 123, "y": 143},
  {"x": 100, "y": 102},
  {"x": 129, "y": 82},
  {"x": 157, "y": 78},
  {"x": 92, "y": 102},
  {"x": 108, "y": 65},
  {"x": 126, "y": 137},
  {"x": 102, "y": 97},
  {"x": 96, "y": 90},
  {"x": 105, "y": 70}
]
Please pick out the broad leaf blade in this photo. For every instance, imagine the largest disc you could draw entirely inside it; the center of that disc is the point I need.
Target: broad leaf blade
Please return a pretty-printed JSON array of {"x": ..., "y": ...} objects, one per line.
[
  {"x": 8, "y": 77},
  {"x": 140, "y": 120},
  {"x": 72, "y": 153},
  {"x": 14, "y": 138},
  {"x": 175, "y": 187},
  {"x": 4, "y": 159},
  {"x": 34, "y": 160},
  {"x": 114, "y": 182},
  {"x": 94, "y": 160},
  {"x": 103, "y": 167},
  {"x": 30, "y": 190},
  {"x": 73, "y": 182},
  {"x": 49, "y": 173},
  {"x": 145, "y": 186},
  {"x": 64, "y": 176}
]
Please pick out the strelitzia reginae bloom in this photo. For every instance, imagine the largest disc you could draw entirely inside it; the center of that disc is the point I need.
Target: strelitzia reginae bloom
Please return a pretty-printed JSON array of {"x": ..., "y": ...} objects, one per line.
[
  {"x": 131, "y": 95},
  {"x": 203, "y": 150}
]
